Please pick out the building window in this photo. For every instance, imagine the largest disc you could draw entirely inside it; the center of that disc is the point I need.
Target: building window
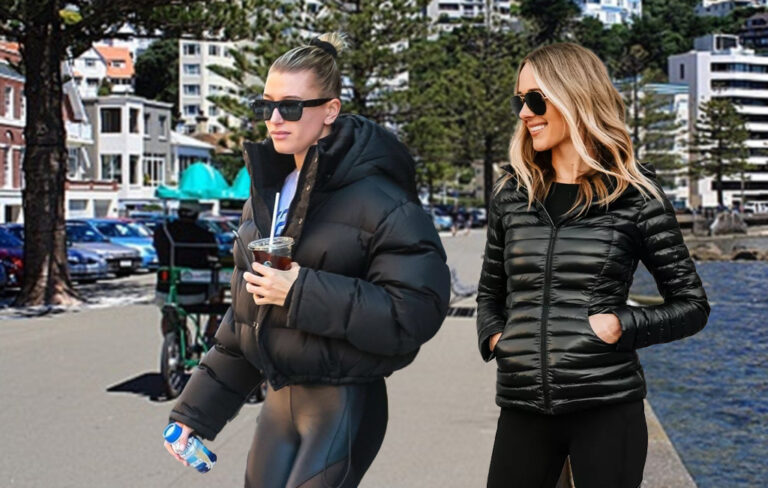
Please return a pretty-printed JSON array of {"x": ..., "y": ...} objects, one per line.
[
  {"x": 190, "y": 128},
  {"x": 682, "y": 71},
  {"x": 78, "y": 205},
  {"x": 133, "y": 177},
  {"x": 133, "y": 122},
  {"x": 162, "y": 126},
  {"x": 146, "y": 124},
  {"x": 154, "y": 169},
  {"x": 118, "y": 63},
  {"x": 213, "y": 129},
  {"x": 8, "y": 97},
  {"x": 90, "y": 63},
  {"x": 73, "y": 161},
  {"x": 110, "y": 120},
  {"x": 191, "y": 110},
  {"x": 213, "y": 89},
  {"x": 191, "y": 49},
  {"x": 191, "y": 69},
  {"x": 213, "y": 110},
  {"x": 213, "y": 50},
  {"x": 191, "y": 89},
  {"x": 111, "y": 167}
]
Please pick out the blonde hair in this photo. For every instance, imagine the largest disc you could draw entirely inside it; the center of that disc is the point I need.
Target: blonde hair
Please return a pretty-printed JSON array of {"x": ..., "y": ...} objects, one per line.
[
  {"x": 322, "y": 62},
  {"x": 576, "y": 82}
]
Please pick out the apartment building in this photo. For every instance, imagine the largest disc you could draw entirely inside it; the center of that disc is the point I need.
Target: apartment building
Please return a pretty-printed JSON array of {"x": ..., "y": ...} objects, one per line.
[
  {"x": 611, "y": 12},
  {"x": 197, "y": 83},
  {"x": 720, "y": 67},
  {"x": 132, "y": 147}
]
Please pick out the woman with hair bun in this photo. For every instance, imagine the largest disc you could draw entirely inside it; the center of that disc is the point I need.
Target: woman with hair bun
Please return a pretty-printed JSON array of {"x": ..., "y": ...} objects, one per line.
[
  {"x": 367, "y": 287},
  {"x": 569, "y": 221}
]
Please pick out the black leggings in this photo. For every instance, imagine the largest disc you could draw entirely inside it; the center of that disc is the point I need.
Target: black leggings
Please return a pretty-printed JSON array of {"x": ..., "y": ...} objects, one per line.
[
  {"x": 607, "y": 446},
  {"x": 317, "y": 436}
]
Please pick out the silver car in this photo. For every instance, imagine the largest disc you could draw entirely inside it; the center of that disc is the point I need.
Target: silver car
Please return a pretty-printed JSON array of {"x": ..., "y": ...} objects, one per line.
[{"x": 121, "y": 260}]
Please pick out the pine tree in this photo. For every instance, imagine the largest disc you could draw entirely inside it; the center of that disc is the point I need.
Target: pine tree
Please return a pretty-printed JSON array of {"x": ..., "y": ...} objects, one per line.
[
  {"x": 656, "y": 133},
  {"x": 157, "y": 73},
  {"x": 48, "y": 31},
  {"x": 719, "y": 143}
]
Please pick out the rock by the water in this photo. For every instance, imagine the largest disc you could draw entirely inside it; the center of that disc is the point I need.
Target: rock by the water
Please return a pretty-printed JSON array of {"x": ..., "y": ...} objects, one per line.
[
  {"x": 728, "y": 223},
  {"x": 707, "y": 252},
  {"x": 746, "y": 255}
]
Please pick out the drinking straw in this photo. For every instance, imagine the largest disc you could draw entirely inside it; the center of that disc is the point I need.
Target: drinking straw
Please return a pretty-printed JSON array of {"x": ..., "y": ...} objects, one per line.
[{"x": 274, "y": 221}]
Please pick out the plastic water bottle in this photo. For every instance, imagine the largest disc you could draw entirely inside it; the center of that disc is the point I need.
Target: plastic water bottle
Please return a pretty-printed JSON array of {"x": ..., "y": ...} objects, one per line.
[{"x": 195, "y": 453}]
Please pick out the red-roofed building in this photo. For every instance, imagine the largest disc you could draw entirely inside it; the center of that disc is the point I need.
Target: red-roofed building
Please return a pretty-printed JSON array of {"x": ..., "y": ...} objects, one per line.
[
  {"x": 100, "y": 63},
  {"x": 10, "y": 52}
]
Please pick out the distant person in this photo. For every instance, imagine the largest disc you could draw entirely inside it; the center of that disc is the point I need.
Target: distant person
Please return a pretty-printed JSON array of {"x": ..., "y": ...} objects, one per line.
[
  {"x": 195, "y": 247},
  {"x": 368, "y": 286},
  {"x": 568, "y": 223}
]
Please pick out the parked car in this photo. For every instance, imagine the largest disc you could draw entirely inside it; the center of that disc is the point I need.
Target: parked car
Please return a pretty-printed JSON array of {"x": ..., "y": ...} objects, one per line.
[
  {"x": 440, "y": 220},
  {"x": 12, "y": 259},
  {"x": 479, "y": 216},
  {"x": 130, "y": 234},
  {"x": 121, "y": 260},
  {"x": 84, "y": 266},
  {"x": 222, "y": 227},
  {"x": 756, "y": 207},
  {"x": 150, "y": 220}
]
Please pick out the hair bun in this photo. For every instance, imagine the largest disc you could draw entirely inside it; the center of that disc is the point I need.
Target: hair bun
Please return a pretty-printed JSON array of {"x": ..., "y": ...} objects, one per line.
[{"x": 325, "y": 46}]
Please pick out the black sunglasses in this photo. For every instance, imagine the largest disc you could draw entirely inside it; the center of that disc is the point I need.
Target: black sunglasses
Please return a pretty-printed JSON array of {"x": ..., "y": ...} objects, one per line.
[
  {"x": 290, "y": 110},
  {"x": 536, "y": 101}
]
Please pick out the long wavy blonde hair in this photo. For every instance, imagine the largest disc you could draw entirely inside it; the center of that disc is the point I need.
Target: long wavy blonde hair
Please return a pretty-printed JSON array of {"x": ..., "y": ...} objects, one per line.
[{"x": 576, "y": 82}]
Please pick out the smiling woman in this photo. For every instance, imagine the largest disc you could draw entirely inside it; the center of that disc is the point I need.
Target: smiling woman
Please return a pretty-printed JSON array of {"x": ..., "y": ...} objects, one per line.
[{"x": 568, "y": 224}]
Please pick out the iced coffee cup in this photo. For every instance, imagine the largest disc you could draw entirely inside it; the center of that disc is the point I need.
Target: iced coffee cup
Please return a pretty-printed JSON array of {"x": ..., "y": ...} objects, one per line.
[{"x": 277, "y": 256}]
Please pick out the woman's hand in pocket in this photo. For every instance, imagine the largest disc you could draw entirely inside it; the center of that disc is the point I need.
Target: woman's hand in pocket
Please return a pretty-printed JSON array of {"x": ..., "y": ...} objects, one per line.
[
  {"x": 493, "y": 340},
  {"x": 606, "y": 326}
]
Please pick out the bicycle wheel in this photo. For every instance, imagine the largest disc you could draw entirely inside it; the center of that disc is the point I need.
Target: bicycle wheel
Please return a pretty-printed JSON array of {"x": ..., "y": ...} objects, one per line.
[{"x": 172, "y": 365}]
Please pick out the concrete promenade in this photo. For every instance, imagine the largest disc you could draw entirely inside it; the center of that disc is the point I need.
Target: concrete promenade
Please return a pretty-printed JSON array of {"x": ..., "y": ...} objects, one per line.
[{"x": 79, "y": 407}]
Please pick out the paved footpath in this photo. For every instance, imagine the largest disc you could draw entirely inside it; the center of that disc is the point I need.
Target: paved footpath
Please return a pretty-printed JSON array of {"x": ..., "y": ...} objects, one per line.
[{"x": 79, "y": 407}]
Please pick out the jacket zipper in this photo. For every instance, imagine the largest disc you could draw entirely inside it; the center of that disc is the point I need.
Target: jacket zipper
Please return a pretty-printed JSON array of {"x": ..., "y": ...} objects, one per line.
[
  {"x": 263, "y": 315},
  {"x": 545, "y": 311}
]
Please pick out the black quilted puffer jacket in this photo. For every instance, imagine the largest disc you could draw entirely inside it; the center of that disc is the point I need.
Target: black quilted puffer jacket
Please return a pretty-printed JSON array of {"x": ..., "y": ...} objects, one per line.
[
  {"x": 540, "y": 282},
  {"x": 373, "y": 284}
]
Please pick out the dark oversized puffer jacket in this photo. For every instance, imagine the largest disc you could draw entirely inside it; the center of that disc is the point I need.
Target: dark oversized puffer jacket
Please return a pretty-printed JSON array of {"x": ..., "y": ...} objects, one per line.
[
  {"x": 540, "y": 282},
  {"x": 373, "y": 284}
]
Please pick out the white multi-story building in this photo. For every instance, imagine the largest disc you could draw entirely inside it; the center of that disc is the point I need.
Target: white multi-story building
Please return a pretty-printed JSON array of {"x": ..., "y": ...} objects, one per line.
[
  {"x": 720, "y": 67},
  {"x": 611, "y": 12},
  {"x": 448, "y": 12},
  {"x": 197, "y": 83},
  {"x": 132, "y": 147},
  {"x": 721, "y": 8}
]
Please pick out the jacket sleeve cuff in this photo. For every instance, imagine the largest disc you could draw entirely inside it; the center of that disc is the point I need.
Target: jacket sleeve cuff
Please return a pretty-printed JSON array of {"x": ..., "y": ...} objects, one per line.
[
  {"x": 628, "y": 328},
  {"x": 485, "y": 336}
]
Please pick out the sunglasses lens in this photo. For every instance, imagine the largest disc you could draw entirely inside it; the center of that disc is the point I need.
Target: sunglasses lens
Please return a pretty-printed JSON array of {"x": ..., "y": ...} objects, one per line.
[
  {"x": 517, "y": 105},
  {"x": 536, "y": 102},
  {"x": 262, "y": 109},
  {"x": 290, "y": 110}
]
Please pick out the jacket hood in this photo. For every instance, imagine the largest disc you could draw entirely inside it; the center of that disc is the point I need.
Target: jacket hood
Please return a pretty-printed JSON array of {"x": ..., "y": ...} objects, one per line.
[{"x": 357, "y": 148}]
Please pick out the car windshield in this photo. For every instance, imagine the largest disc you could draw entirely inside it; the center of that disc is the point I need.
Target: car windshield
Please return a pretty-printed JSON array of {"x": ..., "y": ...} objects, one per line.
[
  {"x": 8, "y": 240},
  {"x": 83, "y": 233},
  {"x": 122, "y": 229}
]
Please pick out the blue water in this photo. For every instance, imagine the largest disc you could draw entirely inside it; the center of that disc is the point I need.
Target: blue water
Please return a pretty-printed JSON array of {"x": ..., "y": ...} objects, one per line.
[{"x": 710, "y": 391}]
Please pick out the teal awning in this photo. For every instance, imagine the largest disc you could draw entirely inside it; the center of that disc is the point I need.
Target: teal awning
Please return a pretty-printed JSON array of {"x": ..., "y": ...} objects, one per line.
[
  {"x": 198, "y": 181},
  {"x": 241, "y": 187}
]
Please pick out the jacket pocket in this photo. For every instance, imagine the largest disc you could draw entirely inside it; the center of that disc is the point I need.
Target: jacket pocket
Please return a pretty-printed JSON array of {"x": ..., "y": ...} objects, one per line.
[{"x": 590, "y": 331}]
